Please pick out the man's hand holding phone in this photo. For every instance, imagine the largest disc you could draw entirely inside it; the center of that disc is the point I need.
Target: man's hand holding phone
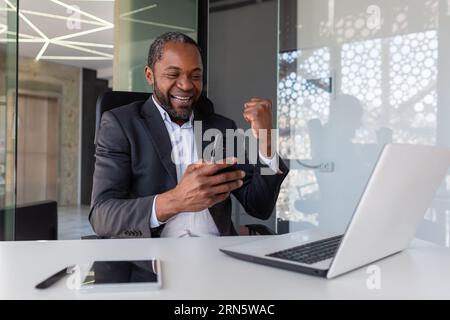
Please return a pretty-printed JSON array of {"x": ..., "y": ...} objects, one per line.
[{"x": 203, "y": 185}]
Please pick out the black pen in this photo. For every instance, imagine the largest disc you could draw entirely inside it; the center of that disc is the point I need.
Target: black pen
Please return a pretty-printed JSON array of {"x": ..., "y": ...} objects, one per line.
[{"x": 55, "y": 277}]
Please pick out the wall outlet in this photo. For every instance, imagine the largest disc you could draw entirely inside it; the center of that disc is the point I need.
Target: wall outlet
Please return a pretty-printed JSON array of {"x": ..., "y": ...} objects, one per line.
[{"x": 326, "y": 167}]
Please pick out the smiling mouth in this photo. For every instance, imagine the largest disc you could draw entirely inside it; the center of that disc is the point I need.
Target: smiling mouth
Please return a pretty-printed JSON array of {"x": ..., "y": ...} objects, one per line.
[{"x": 181, "y": 99}]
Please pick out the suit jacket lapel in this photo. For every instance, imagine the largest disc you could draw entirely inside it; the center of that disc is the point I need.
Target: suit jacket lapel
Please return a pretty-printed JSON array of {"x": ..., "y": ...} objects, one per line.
[{"x": 157, "y": 132}]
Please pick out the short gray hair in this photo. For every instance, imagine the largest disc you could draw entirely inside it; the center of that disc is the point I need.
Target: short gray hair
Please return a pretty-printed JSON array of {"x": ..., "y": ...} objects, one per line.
[{"x": 157, "y": 47}]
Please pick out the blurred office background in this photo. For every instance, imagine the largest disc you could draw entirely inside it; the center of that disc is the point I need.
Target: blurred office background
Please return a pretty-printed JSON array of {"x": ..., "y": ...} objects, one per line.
[{"x": 345, "y": 77}]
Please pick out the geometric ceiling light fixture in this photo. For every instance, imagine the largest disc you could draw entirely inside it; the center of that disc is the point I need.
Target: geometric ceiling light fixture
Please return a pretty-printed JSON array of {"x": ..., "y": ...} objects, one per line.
[
  {"x": 46, "y": 42},
  {"x": 126, "y": 16},
  {"x": 3, "y": 28},
  {"x": 76, "y": 9},
  {"x": 62, "y": 40},
  {"x": 56, "y": 16}
]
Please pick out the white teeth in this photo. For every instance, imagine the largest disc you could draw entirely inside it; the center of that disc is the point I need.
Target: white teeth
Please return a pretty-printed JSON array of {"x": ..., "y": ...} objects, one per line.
[{"x": 182, "y": 98}]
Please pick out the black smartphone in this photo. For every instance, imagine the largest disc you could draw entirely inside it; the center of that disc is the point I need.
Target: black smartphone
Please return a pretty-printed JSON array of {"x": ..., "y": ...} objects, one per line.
[
  {"x": 218, "y": 143},
  {"x": 234, "y": 167}
]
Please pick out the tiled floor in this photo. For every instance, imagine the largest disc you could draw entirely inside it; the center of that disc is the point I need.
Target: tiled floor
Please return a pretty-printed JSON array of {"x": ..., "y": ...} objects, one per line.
[{"x": 73, "y": 223}]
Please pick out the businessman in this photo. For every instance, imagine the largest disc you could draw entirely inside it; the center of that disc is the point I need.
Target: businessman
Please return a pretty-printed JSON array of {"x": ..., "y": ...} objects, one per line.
[{"x": 140, "y": 187}]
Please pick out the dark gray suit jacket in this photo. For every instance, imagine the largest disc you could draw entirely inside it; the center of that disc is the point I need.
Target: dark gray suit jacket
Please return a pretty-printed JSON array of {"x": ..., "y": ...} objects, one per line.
[{"x": 133, "y": 164}]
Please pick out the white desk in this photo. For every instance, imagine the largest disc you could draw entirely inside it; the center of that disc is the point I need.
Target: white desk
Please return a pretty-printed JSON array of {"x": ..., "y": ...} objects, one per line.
[{"x": 194, "y": 269}]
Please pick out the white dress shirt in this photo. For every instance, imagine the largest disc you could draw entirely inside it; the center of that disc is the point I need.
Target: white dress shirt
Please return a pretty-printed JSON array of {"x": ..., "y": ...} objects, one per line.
[{"x": 184, "y": 152}]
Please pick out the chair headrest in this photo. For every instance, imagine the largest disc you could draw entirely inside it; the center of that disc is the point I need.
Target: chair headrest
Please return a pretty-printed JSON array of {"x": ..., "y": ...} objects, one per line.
[{"x": 114, "y": 99}]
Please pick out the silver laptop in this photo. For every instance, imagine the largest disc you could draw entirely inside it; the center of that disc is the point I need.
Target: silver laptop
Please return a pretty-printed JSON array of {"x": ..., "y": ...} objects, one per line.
[{"x": 397, "y": 195}]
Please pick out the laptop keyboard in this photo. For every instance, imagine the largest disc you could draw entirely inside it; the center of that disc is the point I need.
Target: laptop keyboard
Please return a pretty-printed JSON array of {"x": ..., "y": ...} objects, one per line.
[{"x": 310, "y": 253}]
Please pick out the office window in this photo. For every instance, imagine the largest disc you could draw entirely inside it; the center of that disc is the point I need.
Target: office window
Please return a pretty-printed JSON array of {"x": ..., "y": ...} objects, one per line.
[
  {"x": 8, "y": 116},
  {"x": 354, "y": 75},
  {"x": 66, "y": 54}
]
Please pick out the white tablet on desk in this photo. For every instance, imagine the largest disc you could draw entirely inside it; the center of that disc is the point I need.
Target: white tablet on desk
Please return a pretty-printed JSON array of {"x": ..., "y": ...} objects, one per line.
[{"x": 122, "y": 275}]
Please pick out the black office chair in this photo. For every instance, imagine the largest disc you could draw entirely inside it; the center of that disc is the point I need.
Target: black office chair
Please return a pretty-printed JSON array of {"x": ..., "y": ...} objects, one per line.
[{"x": 113, "y": 99}]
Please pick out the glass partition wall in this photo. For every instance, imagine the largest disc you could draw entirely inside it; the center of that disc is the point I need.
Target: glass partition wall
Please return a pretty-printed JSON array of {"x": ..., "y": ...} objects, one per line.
[
  {"x": 8, "y": 115},
  {"x": 48, "y": 89},
  {"x": 354, "y": 75}
]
